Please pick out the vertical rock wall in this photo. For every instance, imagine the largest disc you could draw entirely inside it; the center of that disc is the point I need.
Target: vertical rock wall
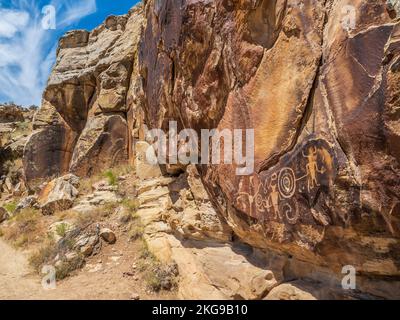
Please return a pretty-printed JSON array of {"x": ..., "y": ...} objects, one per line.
[
  {"x": 82, "y": 126},
  {"x": 321, "y": 96}
]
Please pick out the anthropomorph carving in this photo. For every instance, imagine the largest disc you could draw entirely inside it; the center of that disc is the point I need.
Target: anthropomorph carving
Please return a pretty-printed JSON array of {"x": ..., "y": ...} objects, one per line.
[{"x": 312, "y": 168}]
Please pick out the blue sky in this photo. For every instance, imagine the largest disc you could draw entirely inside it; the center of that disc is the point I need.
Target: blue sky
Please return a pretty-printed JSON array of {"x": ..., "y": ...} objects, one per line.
[{"x": 28, "y": 40}]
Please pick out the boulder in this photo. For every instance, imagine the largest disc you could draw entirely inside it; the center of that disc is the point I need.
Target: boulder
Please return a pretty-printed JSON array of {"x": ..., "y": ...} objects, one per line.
[
  {"x": 108, "y": 235},
  {"x": 59, "y": 194},
  {"x": 88, "y": 244},
  {"x": 27, "y": 202},
  {"x": 146, "y": 161},
  {"x": 15, "y": 148},
  {"x": 291, "y": 291},
  {"x": 96, "y": 199},
  {"x": 60, "y": 229}
]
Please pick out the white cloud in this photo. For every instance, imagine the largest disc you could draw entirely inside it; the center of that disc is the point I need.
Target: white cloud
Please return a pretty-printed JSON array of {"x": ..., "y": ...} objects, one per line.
[
  {"x": 27, "y": 50},
  {"x": 74, "y": 12},
  {"x": 11, "y": 22}
]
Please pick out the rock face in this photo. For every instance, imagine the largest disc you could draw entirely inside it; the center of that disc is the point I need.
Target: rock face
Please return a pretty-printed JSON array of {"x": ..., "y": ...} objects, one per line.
[
  {"x": 318, "y": 81},
  {"x": 15, "y": 125},
  {"x": 11, "y": 113},
  {"x": 321, "y": 96},
  {"x": 82, "y": 124},
  {"x": 3, "y": 214}
]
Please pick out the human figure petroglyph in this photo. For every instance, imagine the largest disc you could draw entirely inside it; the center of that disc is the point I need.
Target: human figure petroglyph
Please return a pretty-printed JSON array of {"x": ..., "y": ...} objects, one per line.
[
  {"x": 312, "y": 168},
  {"x": 242, "y": 195},
  {"x": 273, "y": 197}
]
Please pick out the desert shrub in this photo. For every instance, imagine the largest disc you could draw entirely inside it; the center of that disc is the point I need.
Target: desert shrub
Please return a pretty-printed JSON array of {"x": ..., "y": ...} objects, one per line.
[
  {"x": 43, "y": 256},
  {"x": 129, "y": 210},
  {"x": 10, "y": 206},
  {"x": 161, "y": 276},
  {"x": 66, "y": 267},
  {"x": 135, "y": 231},
  {"x": 158, "y": 276},
  {"x": 131, "y": 204},
  {"x": 83, "y": 220},
  {"x": 108, "y": 209},
  {"x": 124, "y": 169},
  {"x": 46, "y": 255},
  {"x": 86, "y": 219},
  {"x": 111, "y": 178},
  {"x": 62, "y": 229}
]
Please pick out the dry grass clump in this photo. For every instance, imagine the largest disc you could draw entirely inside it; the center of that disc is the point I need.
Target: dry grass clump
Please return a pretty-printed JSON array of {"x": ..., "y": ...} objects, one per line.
[
  {"x": 99, "y": 214},
  {"x": 49, "y": 251},
  {"x": 111, "y": 175},
  {"x": 136, "y": 231},
  {"x": 67, "y": 267},
  {"x": 158, "y": 276},
  {"x": 25, "y": 228},
  {"x": 43, "y": 255}
]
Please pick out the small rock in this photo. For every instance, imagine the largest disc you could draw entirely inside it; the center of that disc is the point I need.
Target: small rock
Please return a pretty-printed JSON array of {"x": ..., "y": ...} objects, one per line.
[
  {"x": 28, "y": 202},
  {"x": 135, "y": 296},
  {"x": 115, "y": 259},
  {"x": 123, "y": 178},
  {"x": 108, "y": 235},
  {"x": 86, "y": 244},
  {"x": 71, "y": 256},
  {"x": 128, "y": 274}
]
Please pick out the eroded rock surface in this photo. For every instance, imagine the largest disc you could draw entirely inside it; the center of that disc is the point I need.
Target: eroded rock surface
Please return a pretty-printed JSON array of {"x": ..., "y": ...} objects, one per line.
[
  {"x": 320, "y": 92},
  {"x": 321, "y": 96},
  {"x": 82, "y": 124}
]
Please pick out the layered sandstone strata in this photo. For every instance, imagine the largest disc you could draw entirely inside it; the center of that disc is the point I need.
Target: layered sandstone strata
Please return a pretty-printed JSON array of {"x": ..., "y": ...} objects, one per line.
[{"x": 82, "y": 124}]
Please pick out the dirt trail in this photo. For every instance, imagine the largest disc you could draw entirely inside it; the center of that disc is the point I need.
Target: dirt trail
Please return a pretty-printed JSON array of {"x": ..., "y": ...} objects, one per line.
[
  {"x": 104, "y": 277},
  {"x": 16, "y": 282}
]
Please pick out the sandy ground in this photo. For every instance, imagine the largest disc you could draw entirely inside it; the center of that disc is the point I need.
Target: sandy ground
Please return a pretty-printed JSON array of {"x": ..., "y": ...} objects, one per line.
[{"x": 107, "y": 276}]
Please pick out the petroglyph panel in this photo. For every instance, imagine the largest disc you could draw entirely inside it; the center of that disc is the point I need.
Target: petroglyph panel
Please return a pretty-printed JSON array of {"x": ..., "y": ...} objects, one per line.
[{"x": 287, "y": 192}]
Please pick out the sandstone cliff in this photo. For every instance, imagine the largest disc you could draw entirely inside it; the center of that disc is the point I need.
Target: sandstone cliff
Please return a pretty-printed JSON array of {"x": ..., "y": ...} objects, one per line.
[
  {"x": 82, "y": 125},
  {"x": 322, "y": 99}
]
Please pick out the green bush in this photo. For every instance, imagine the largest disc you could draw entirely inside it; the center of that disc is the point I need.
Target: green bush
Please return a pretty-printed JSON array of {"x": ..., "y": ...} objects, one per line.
[
  {"x": 62, "y": 229},
  {"x": 111, "y": 178},
  {"x": 10, "y": 207}
]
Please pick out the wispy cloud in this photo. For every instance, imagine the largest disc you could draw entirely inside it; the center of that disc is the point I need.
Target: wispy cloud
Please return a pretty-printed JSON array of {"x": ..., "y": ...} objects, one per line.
[
  {"x": 27, "y": 50},
  {"x": 11, "y": 22}
]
